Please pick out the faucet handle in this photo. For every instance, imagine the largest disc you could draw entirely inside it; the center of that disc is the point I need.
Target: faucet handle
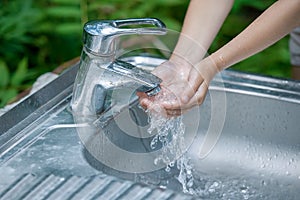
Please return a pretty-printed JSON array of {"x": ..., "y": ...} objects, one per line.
[
  {"x": 159, "y": 30},
  {"x": 100, "y": 35}
]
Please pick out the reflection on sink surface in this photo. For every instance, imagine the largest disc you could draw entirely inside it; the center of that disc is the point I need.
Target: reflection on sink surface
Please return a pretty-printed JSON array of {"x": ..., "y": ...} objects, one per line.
[{"x": 256, "y": 155}]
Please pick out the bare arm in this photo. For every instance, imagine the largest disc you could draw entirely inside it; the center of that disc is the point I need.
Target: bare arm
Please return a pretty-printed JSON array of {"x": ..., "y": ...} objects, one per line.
[
  {"x": 276, "y": 22},
  {"x": 201, "y": 24}
]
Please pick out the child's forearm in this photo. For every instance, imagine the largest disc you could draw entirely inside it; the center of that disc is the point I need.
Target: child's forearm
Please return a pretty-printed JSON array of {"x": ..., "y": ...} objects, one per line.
[
  {"x": 276, "y": 22},
  {"x": 201, "y": 24}
]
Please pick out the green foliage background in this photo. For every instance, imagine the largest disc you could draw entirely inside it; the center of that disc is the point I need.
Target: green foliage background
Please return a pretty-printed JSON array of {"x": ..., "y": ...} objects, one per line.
[{"x": 37, "y": 36}]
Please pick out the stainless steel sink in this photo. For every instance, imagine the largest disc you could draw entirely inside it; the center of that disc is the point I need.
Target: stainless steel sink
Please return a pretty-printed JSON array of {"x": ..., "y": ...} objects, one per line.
[{"x": 243, "y": 142}]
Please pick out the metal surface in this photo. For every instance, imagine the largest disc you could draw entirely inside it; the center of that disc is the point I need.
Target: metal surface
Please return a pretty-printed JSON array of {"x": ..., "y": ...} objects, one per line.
[
  {"x": 100, "y": 78},
  {"x": 36, "y": 105},
  {"x": 29, "y": 186},
  {"x": 100, "y": 73},
  {"x": 256, "y": 157},
  {"x": 148, "y": 81},
  {"x": 100, "y": 35}
]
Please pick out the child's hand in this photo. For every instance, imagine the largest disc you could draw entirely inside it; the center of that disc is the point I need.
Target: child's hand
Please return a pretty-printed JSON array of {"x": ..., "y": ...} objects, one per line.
[{"x": 183, "y": 86}]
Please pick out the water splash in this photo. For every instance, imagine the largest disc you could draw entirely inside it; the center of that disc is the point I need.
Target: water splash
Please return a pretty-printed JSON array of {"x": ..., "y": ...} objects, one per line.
[{"x": 170, "y": 135}]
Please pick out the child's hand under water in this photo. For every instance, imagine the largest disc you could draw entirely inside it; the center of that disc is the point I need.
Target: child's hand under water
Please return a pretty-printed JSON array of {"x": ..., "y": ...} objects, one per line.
[{"x": 183, "y": 86}]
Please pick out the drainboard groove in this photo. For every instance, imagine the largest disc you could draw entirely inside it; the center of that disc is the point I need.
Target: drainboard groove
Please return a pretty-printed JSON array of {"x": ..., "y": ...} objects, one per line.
[
  {"x": 66, "y": 189},
  {"x": 43, "y": 188},
  {"x": 114, "y": 190},
  {"x": 20, "y": 187},
  {"x": 92, "y": 188},
  {"x": 136, "y": 192},
  {"x": 29, "y": 186},
  {"x": 75, "y": 194},
  {"x": 5, "y": 190},
  {"x": 104, "y": 188},
  {"x": 159, "y": 194},
  {"x": 179, "y": 196}
]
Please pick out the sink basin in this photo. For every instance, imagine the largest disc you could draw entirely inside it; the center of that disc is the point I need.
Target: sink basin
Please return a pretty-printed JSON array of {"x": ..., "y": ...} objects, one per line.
[{"x": 243, "y": 142}]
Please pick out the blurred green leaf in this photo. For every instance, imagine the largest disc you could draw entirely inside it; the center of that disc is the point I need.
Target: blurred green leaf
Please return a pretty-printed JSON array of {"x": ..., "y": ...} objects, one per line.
[
  {"x": 168, "y": 2},
  {"x": 20, "y": 74},
  {"x": 64, "y": 12},
  {"x": 259, "y": 5},
  {"x": 66, "y": 2},
  {"x": 4, "y": 75},
  {"x": 7, "y": 95},
  {"x": 103, "y": 7},
  {"x": 68, "y": 28}
]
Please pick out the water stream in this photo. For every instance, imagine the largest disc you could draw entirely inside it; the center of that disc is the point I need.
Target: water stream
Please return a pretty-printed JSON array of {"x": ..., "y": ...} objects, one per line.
[{"x": 169, "y": 134}]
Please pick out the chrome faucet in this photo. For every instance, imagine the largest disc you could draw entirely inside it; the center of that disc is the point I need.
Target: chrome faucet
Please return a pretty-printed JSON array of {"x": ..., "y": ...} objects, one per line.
[{"x": 103, "y": 80}]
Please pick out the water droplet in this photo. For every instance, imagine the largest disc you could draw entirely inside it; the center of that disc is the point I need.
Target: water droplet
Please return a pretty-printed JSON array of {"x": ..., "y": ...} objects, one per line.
[
  {"x": 156, "y": 161},
  {"x": 163, "y": 186},
  {"x": 246, "y": 196},
  {"x": 270, "y": 158},
  {"x": 215, "y": 184},
  {"x": 190, "y": 183},
  {"x": 167, "y": 169},
  {"x": 171, "y": 164}
]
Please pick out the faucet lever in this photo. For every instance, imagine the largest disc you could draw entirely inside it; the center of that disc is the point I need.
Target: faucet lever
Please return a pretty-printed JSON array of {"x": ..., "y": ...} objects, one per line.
[
  {"x": 100, "y": 35},
  {"x": 159, "y": 30}
]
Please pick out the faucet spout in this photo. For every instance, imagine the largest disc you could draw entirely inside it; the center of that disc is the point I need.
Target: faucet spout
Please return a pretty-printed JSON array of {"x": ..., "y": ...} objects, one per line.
[
  {"x": 148, "y": 82},
  {"x": 124, "y": 79},
  {"x": 105, "y": 85}
]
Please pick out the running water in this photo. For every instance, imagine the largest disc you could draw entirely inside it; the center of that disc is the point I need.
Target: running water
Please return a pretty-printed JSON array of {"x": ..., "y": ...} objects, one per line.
[
  {"x": 170, "y": 135},
  {"x": 170, "y": 138}
]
